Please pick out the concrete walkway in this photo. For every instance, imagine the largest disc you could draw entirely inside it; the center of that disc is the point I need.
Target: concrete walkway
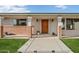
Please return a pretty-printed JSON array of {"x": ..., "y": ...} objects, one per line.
[{"x": 46, "y": 45}]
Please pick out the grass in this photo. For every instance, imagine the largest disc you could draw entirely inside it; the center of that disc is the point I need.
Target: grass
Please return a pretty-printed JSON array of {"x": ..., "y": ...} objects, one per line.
[
  {"x": 72, "y": 43},
  {"x": 11, "y": 45}
]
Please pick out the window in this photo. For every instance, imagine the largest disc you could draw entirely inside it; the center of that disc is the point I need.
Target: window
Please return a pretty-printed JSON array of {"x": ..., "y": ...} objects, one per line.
[
  {"x": 21, "y": 22},
  {"x": 69, "y": 23},
  {"x": 63, "y": 21}
]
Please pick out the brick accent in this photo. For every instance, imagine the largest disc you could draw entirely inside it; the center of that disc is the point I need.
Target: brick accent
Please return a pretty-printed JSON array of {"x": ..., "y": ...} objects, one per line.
[{"x": 18, "y": 30}]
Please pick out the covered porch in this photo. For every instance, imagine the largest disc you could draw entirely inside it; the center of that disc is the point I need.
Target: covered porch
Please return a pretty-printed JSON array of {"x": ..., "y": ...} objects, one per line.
[
  {"x": 44, "y": 24},
  {"x": 28, "y": 26}
]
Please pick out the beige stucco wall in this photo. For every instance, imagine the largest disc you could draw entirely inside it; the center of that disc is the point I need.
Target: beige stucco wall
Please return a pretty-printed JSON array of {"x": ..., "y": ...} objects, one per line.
[
  {"x": 71, "y": 32},
  {"x": 53, "y": 26},
  {"x": 35, "y": 25}
]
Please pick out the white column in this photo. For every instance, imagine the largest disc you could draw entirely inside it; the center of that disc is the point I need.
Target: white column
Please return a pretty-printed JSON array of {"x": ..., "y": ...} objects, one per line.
[
  {"x": 60, "y": 24},
  {"x": 29, "y": 21}
]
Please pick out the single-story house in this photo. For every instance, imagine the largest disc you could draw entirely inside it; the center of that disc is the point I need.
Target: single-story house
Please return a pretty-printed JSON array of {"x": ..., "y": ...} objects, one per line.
[{"x": 28, "y": 24}]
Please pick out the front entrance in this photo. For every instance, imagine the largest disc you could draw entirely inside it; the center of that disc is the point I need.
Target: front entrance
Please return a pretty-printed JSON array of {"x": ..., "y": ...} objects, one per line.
[{"x": 44, "y": 25}]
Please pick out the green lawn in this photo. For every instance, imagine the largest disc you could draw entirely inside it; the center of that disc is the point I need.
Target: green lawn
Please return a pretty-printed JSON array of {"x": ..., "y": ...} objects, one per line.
[
  {"x": 11, "y": 45},
  {"x": 73, "y": 44}
]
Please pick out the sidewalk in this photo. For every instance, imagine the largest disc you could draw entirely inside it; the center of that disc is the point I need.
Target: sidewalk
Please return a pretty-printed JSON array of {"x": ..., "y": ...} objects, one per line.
[{"x": 45, "y": 45}]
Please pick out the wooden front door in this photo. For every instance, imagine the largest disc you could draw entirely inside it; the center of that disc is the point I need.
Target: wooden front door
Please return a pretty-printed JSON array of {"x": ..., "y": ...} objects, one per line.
[{"x": 44, "y": 26}]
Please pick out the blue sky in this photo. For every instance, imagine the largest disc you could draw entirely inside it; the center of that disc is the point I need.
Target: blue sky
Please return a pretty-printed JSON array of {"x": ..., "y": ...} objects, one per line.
[
  {"x": 40, "y": 8},
  {"x": 54, "y": 8}
]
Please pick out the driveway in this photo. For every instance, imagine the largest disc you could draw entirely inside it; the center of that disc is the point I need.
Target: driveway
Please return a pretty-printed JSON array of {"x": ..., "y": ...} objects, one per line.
[{"x": 46, "y": 45}]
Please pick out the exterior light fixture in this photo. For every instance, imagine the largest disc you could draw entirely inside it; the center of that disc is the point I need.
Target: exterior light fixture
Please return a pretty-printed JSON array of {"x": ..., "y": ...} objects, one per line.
[
  {"x": 36, "y": 20},
  {"x": 52, "y": 20}
]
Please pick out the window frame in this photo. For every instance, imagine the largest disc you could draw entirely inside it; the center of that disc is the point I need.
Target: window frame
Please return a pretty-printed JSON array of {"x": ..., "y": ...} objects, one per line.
[
  {"x": 18, "y": 21},
  {"x": 70, "y": 22}
]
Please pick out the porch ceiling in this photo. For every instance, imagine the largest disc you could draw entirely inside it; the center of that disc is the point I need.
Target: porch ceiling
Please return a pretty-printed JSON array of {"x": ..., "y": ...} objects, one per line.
[
  {"x": 38, "y": 16},
  {"x": 15, "y": 17},
  {"x": 24, "y": 16}
]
